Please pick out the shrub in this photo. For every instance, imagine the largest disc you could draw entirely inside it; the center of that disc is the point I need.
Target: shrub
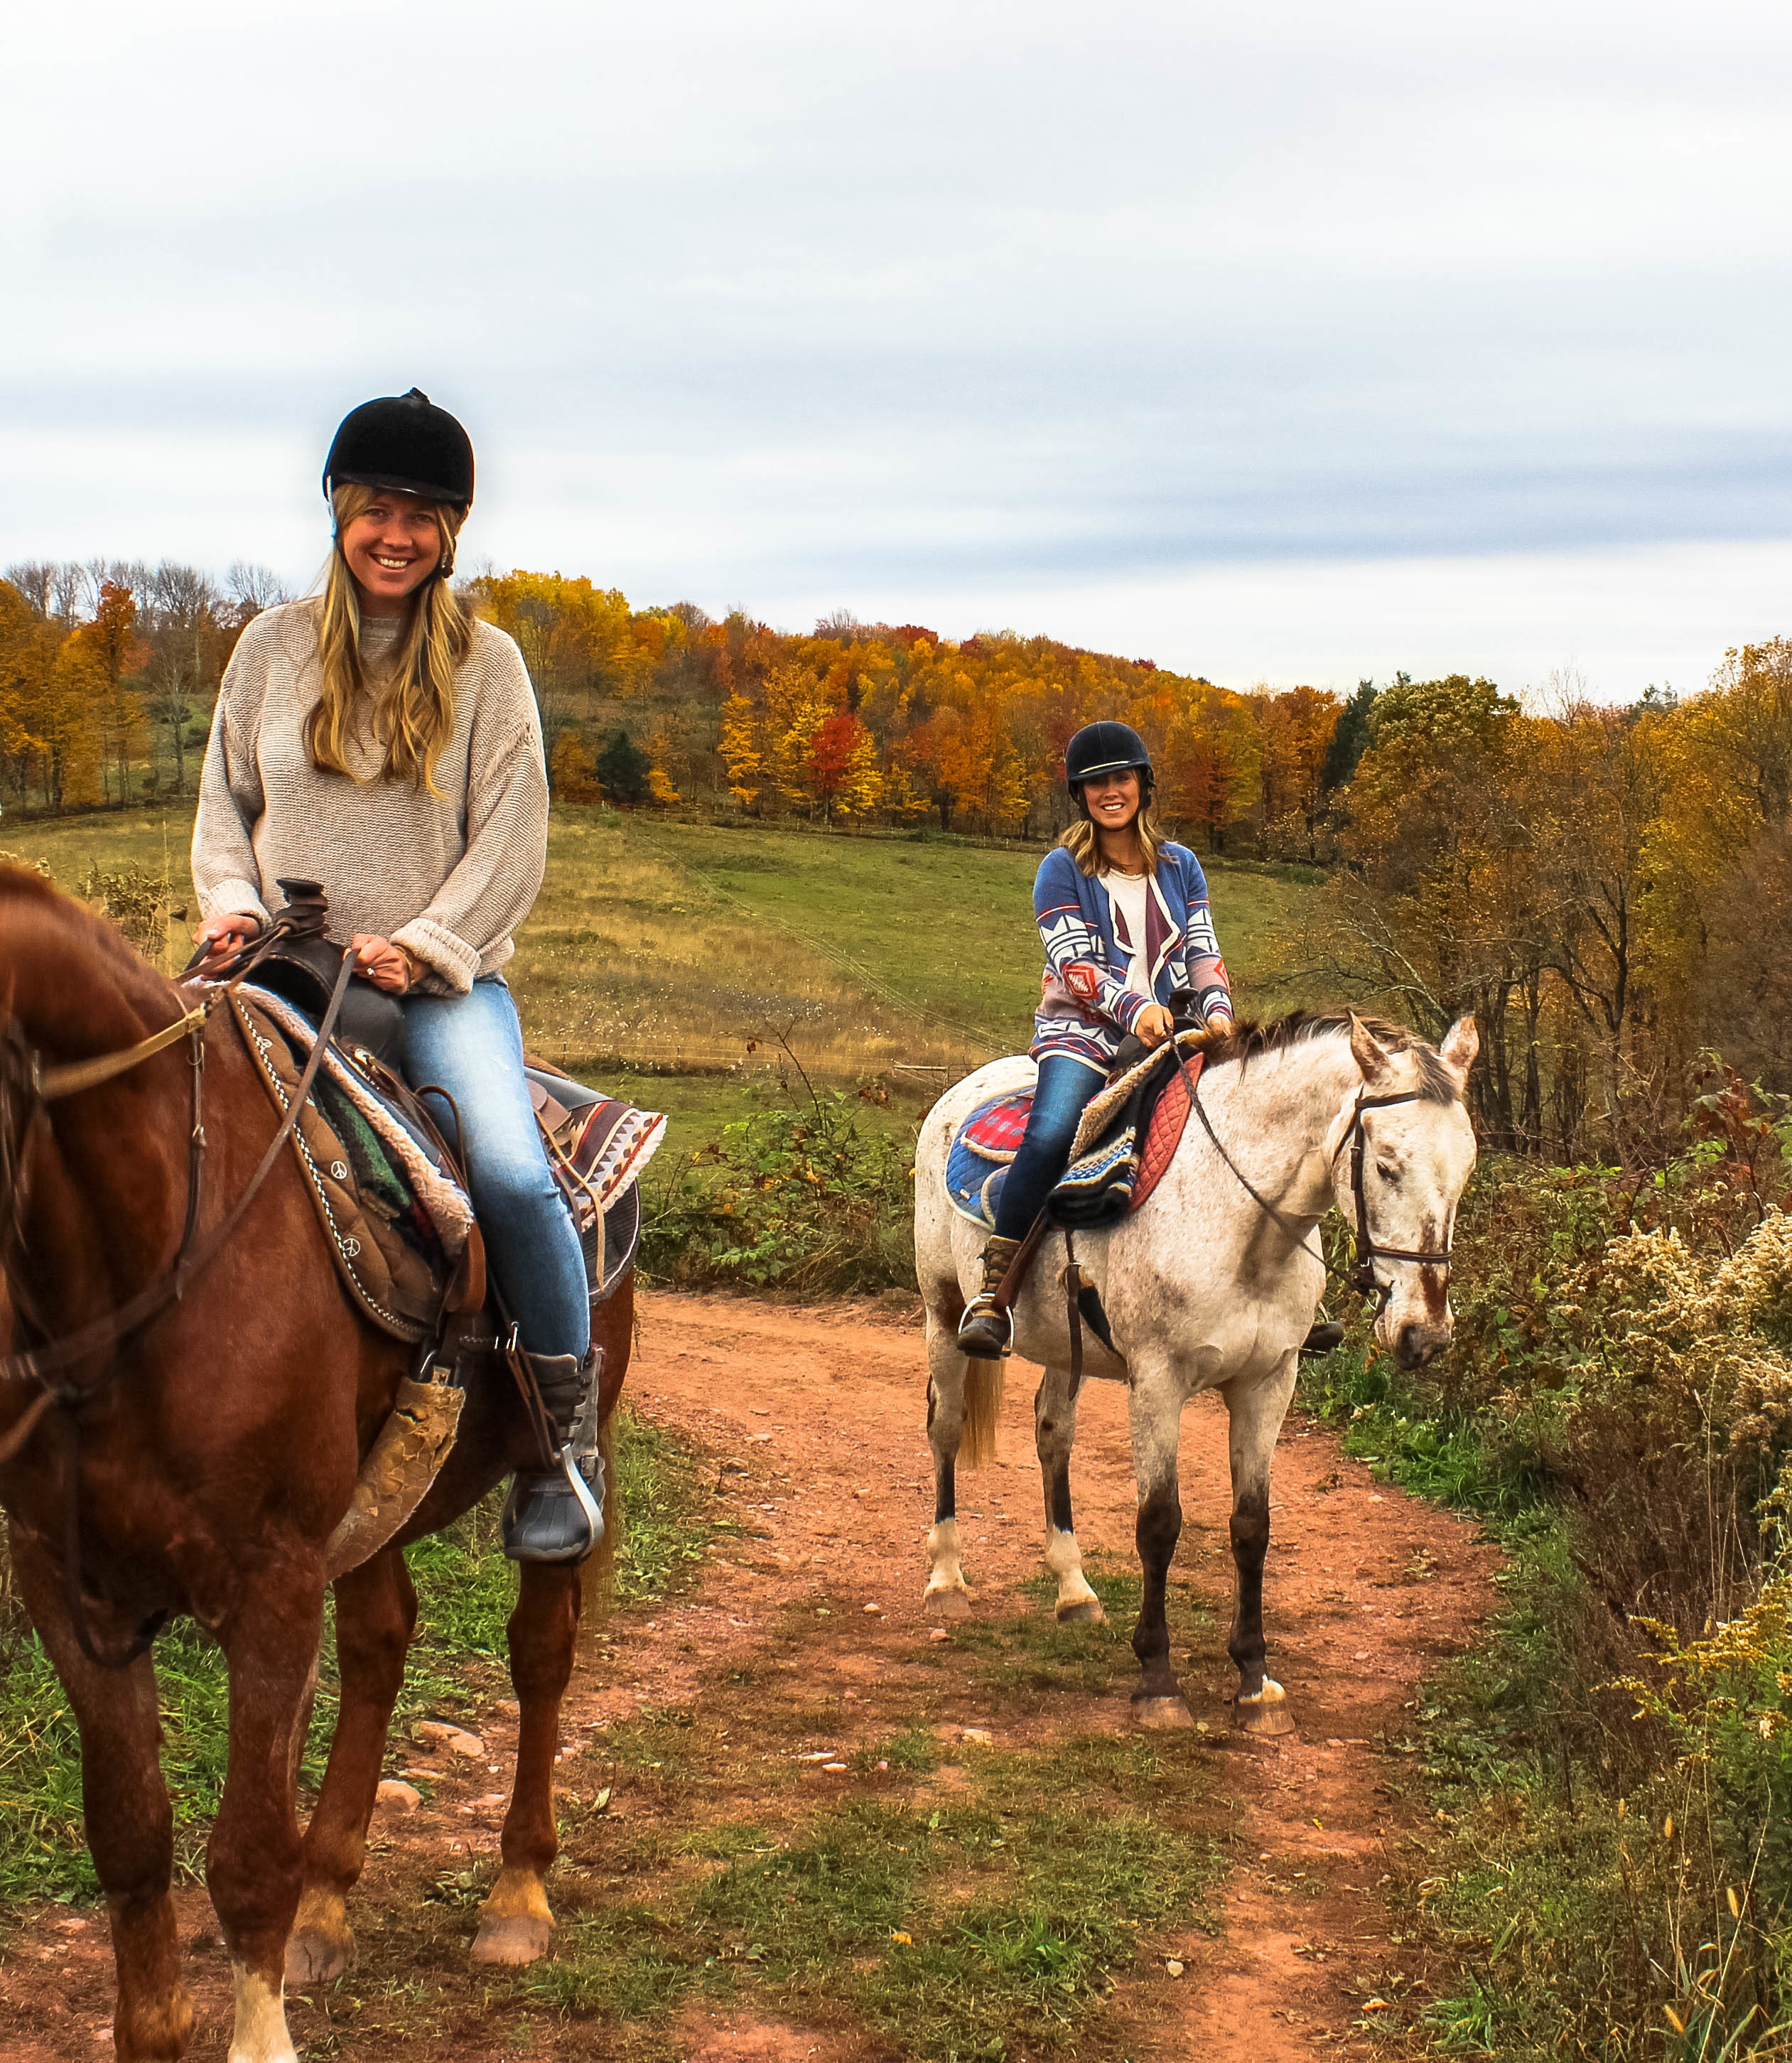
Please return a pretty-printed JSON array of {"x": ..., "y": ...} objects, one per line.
[
  {"x": 815, "y": 1200},
  {"x": 1611, "y": 1872},
  {"x": 136, "y": 901}
]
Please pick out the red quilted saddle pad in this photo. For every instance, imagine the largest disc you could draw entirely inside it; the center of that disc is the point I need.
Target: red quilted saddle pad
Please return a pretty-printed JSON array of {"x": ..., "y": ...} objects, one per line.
[
  {"x": 997, "y": 1129},
  {"x": 1164, "y": 1134}
]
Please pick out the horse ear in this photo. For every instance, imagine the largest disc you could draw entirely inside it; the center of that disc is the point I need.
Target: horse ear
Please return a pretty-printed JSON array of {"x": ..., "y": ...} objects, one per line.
[
  {"x": 1459, "y": 1049},
  {"x": 1371, "y": 1055}
]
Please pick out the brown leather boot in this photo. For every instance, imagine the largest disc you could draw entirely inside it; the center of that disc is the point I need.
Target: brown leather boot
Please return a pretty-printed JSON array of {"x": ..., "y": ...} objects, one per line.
[{"x": 986, "y": 1331}]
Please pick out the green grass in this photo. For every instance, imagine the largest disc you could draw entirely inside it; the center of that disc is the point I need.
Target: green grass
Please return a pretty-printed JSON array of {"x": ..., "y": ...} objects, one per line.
[
  {"x": 668, "y": 959},
  {"x": 959, "y": 1925},
  {"x": 466, "y": 1590}
]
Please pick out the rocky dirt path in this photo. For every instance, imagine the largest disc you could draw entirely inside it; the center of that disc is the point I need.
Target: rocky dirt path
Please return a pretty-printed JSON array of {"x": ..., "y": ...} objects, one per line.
[{"x": 813, "y": 1421}]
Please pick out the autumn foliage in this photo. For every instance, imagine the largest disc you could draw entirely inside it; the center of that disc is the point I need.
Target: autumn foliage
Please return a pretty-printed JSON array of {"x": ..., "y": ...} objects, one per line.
[
  {"x": 107, "y": 672},
  {"x": 1607, "y": 888},
  {"x": 861, "y": 723}
]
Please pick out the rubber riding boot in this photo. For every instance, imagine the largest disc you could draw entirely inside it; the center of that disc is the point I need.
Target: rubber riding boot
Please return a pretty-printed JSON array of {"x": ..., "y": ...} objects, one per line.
[
  {"x": 557, "y": 1515},
  {"x": 1325, "y": 1335},
  {"x": 985, "y": 1331}
]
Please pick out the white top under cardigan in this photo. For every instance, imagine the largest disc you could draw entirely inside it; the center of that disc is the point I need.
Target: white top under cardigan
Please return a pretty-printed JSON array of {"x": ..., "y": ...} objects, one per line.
[{"x": 1126, "y": 894}]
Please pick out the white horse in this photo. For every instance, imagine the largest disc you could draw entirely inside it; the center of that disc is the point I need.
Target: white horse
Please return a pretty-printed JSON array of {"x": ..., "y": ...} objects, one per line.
[{"x": 1212, "y": 1284}]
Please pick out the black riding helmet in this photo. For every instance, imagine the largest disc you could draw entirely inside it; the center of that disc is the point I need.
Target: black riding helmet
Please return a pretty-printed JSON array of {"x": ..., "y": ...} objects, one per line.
[
  {"x": 403, "y": 442},
  {"x": 1106, "y": 748}
]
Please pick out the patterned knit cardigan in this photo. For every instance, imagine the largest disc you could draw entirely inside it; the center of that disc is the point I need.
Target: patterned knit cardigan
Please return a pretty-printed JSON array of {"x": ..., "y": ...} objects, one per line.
[{"x": 1085, "y": 1006}]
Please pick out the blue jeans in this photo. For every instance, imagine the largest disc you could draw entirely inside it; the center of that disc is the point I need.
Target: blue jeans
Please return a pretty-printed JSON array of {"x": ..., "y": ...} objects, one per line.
[
  {"x": 1064, "y": 1088},
  {"x": 472, "y": 1046}
]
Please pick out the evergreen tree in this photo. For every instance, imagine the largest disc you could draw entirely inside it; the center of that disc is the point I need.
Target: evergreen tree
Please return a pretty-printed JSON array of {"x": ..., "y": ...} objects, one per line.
[
  {"x": 1351, "y": 738},
  {"x": 623, "y": 768}
]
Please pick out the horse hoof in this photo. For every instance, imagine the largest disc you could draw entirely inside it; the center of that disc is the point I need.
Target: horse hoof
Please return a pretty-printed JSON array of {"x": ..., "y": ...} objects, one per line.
[
  {"x": 1263, "y": 1714},
  {"x": 1161, "y": 1715},
  {"x": 1082, "y": 1611},
  {"x": 948, "y": 1604},
  {"x": 313, "y": 1957},
  {"x": 514, "y": 1938}
]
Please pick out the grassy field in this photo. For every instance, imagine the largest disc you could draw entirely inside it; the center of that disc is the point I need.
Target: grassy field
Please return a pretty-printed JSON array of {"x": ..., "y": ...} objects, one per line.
[{"x": 702, "y": 969}]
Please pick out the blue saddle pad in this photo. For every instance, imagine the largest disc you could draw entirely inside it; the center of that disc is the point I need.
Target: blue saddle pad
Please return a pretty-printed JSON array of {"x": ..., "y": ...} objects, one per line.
[{"x": 981, "y": 1149}]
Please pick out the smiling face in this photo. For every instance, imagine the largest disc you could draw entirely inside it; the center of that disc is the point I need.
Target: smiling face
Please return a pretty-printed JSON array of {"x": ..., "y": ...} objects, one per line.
[
  {"x": 392, "y": 547},
  {"x": 1112, "y": 799}
]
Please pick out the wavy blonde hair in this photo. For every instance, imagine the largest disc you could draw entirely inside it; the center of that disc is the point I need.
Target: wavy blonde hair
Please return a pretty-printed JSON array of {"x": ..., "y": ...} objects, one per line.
[
  {"x": 413, "y": 691},
  {"x": 1084, "y": 847}
]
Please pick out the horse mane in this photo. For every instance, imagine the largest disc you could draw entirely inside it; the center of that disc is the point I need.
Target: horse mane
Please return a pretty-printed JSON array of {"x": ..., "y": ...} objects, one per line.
[
  {"x": 23, "y": 889},
  {"x": 1248, "y": 1040}
]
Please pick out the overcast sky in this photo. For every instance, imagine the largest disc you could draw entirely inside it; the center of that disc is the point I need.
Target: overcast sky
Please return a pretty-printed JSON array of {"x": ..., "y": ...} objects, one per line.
[{"x": 1293, "y": 342}]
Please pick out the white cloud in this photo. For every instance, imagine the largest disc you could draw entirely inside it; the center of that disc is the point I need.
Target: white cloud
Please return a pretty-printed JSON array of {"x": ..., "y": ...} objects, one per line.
[{"x": 997, "y": 300}]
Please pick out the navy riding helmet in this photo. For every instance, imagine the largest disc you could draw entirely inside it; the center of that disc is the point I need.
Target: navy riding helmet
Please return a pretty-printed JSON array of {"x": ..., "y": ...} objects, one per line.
[{"x": 1106, "y": 748}]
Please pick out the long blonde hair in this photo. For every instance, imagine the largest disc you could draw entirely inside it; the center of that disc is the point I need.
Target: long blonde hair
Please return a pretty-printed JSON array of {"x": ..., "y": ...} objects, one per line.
[
  {"x": 1084, "y": 847},
  {"x": 413, "y": 693}
]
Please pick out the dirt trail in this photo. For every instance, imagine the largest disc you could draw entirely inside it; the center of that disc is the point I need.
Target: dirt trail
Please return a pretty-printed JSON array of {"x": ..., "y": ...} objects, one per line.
[{"x": 1366, "y": 1591}]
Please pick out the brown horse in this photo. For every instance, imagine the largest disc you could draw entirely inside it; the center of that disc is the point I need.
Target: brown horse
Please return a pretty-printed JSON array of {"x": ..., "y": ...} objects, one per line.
[{"x": 214, "y": 1450}]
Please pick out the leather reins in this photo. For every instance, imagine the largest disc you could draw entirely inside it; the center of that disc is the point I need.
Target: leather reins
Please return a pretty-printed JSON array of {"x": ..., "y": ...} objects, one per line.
[
  {"x": 1361, "y": 1275},
  {"x": 23, "y": 1066}
]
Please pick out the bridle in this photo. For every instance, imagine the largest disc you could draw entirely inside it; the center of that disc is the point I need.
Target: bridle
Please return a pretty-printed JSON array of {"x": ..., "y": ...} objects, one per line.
[
  {"x": 28, "y": 1086},
  {"x": 1361, "y": 1275},
  {"x": 1366, "y": 1250}
]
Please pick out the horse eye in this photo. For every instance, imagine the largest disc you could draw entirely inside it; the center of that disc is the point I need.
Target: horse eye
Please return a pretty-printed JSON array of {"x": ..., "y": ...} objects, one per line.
[{"x": 1387, "y": 1171}]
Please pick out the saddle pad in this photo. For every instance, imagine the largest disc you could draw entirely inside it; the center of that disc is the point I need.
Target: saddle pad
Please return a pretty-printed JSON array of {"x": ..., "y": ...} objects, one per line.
[
  {"x": 1164, "y": 1134},
  {"x": 598, "y": 1145},
  {"x": 981, "y": 1149},
  {"x": 994, "y": 1130},
  {"x": 390, "y": 1245},
  {"x": 449, "y": 1207},
  {"x": 1107, "y": 1181},
  {"x": 1113, "y": 1177}
]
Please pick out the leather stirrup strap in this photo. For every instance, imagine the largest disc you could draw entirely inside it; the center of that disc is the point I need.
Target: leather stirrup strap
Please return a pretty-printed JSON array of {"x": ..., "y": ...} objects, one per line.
[
  {"x": 1073, "y": 1310},
  {"x": 1015, "y": 1274}
]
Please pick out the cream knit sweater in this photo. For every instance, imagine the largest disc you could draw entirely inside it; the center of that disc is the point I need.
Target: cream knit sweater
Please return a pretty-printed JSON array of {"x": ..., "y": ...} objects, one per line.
[{"x": 450, "y": 875}]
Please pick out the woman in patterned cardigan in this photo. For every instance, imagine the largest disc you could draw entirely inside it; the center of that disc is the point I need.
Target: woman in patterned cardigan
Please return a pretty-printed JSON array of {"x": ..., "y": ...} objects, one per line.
[{"x": 1122, "y": 913}]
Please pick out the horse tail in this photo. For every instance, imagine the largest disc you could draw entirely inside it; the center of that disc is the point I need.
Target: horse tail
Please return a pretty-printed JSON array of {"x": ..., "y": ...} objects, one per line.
[{"x": 983, "y": 1412}]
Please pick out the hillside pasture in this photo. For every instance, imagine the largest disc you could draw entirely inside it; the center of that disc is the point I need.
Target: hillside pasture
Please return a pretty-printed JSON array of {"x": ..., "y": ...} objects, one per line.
[{"x": 691, "y": 964}]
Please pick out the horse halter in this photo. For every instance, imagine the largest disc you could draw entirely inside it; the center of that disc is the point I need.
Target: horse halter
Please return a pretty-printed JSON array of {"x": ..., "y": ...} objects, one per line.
[{"x": 1361, "y": 1275}]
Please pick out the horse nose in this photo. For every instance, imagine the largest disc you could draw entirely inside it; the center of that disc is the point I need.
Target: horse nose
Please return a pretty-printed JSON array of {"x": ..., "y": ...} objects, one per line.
[{"x": 1415, "y": 1344}]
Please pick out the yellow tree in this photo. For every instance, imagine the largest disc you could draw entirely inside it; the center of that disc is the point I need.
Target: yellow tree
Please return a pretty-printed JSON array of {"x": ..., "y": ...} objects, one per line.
[
  {"x": 743, "y": 747},
  {"x": 109, "y": 653},
  {"x": 862, "y": 783},
  {"x": 796, "y": 706}
]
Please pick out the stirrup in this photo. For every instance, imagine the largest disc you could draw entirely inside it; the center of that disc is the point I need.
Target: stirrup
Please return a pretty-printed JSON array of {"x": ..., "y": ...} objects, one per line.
[
  {"x": 551, "y": 1515},
  {"x": 1323, "y": 1337},
  {"x": 982, "y": 1307}
]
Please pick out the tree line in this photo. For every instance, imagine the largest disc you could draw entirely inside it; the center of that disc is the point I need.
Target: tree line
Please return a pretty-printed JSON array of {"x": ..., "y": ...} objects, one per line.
[
  {"x": 858, "y": 723},
  {"x": 108, "y": 670},
  {"x": 1607, "y": 888}
]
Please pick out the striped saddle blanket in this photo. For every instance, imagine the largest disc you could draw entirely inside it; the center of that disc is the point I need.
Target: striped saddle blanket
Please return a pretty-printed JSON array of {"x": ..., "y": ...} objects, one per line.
[{"x": 1129, "y": 1132}]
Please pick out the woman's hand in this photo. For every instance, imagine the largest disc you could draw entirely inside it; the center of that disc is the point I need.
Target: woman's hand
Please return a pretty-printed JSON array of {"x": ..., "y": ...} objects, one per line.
[
  {"x": 1153, "y": 1024},
  {"x": 386, "y": 966},
  {"x": 227, "y": 933}
]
